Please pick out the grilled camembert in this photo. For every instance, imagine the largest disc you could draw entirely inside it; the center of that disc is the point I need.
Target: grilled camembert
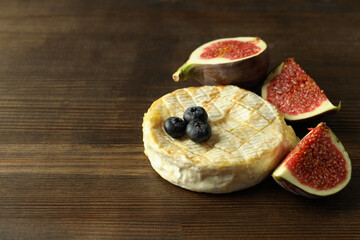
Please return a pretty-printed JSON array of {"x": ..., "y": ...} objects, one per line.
[{"x": 249, "y": 138}]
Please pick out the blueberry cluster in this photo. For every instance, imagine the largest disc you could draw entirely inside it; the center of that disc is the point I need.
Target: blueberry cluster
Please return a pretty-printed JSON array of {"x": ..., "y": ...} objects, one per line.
[{"x": 194, "y": 124}]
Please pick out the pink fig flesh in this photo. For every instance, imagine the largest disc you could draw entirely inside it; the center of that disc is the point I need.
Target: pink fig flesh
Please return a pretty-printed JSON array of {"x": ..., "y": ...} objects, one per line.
[{"x": 230, "y": 49}]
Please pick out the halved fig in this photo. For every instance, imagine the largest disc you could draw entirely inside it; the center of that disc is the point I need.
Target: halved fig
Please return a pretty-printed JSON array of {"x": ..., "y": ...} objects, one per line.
[
  {"x": 295, "y": 93},
  {"x": 318, "y": 166},
  {"x": 241, "y": 61}
]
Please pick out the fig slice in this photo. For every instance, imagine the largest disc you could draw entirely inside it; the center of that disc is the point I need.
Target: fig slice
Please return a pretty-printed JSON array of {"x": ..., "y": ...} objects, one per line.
[
  {"x": 295, "y": 93},
  {"x": 241, "y": 61},
  {"x": 318, "y": 166}
]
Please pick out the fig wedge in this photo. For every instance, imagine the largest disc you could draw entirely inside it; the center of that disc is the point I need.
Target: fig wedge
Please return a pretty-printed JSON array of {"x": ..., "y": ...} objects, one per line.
[
  {"x": 295, "y": 93},
  {"x": 318, "y": 166}
]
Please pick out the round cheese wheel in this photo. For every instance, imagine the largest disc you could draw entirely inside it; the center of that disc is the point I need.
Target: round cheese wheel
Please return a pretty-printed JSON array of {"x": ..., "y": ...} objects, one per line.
[{"x": 249, "y": 138}]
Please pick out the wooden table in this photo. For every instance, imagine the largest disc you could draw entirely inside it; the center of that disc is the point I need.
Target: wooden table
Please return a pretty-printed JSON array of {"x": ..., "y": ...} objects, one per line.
[{"x": 76, "y": 78}]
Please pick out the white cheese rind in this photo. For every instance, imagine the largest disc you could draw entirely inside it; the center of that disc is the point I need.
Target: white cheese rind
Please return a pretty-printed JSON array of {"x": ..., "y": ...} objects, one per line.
[{"x": 249, "y": 138}]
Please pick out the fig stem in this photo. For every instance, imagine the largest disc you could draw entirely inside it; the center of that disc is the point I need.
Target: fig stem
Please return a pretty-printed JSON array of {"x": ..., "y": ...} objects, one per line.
[
  {"x": 184, "y": 72},
  {"x": 338, "y": 107}
]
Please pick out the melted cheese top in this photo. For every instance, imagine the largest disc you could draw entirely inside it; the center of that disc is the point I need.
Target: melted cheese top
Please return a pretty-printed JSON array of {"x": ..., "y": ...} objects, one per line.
[
  {"x": 243, "y": 125},
  {"x": 249, "y": 137}
]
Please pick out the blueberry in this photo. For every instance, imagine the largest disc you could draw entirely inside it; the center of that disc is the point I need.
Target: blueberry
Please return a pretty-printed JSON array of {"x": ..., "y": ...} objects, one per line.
[
  {"x": 193, "y": 113},
  {"x": 198, "y": 131},
  {"x": 175, "y": 127}
]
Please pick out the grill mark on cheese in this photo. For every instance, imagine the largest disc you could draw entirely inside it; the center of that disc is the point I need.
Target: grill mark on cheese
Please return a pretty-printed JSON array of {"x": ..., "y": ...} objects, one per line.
[
  {"x": 182, "y": 145},
  {"x": 172, "y": 106},
  {"x": 195, "y": 102},
  {"x": 184, "y": 99},
  {"x": 209, "y": 109},
  {"x": 199, "y": 97},
  {"x": 252, "y": 101},
  {"x": 214, "y": 95}
]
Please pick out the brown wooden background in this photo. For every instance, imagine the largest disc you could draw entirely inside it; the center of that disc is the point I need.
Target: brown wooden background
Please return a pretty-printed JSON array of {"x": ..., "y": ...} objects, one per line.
[{"x": 76, "y": 78}]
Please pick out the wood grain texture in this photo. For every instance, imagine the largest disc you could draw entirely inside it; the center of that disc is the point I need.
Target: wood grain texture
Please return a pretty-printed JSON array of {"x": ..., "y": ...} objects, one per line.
[{"x": 76, "y": 78}]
